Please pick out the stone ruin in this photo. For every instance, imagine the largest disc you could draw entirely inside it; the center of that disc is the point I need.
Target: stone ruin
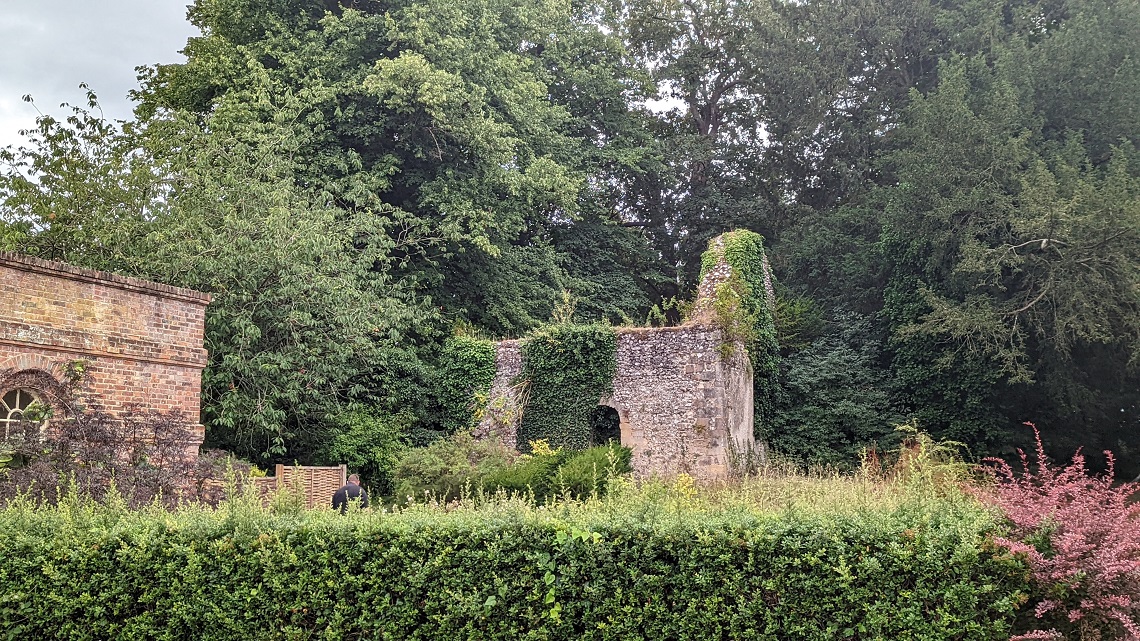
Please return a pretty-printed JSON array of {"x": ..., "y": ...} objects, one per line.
[{"x": 681, "y": 396}]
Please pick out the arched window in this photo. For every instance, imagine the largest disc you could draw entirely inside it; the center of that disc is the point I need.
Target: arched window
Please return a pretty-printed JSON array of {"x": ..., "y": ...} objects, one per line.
[{"x": 17, "y": 406}]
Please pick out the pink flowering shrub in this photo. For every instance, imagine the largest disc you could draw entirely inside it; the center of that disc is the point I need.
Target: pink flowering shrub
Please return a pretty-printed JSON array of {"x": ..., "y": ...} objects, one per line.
[{"x": 1081, "y": 538}]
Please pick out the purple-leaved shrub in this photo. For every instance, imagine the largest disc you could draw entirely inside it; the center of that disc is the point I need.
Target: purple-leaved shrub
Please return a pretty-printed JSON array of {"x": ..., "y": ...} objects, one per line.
[{"x": 1081, "y": 537}]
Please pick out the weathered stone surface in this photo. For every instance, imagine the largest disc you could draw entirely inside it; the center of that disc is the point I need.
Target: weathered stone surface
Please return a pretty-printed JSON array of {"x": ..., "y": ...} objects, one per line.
[
  {"x": 503, "y": 411},
  {"x": 681, "y": 393},
  {"x": 141, "y": 341},
  {"x": 679, "y": 400}
]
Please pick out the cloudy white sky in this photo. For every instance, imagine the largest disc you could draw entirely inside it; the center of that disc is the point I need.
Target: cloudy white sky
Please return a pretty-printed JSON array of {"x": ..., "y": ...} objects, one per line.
[{"x": 48, "y": 47}]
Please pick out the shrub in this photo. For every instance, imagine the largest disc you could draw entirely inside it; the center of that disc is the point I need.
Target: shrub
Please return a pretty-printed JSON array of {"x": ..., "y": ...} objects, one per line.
[
  {"x": 446, "y": 466},
  {"x": 1081, "y": 538},
  {"x": 587, "y": 473},
  {"x": 559, "y": 473},
  {"x": 141, "y": 453},
  {"x": 534, "y": 473},
  {"x": 370, "y": 444},
  {"x": 626, "y": 567},
  {"x": 834, "y": 399}
]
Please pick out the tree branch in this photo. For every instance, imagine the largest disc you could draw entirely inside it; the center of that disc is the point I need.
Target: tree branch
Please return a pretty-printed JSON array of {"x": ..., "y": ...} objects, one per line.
[{"x": 1030, "y": 303}]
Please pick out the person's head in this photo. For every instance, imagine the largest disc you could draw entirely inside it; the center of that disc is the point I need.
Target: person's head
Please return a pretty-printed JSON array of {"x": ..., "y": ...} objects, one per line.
[{"x": 354, "y": 479}]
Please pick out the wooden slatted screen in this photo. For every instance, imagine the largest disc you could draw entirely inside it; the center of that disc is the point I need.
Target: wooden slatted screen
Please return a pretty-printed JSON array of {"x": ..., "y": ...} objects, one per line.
[{"x": 318, "y": 483}]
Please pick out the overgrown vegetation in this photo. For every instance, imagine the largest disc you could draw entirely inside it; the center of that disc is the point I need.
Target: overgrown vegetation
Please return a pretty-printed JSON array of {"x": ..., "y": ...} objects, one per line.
[
  {"x": 772, "y": 559},
  {"x": 568, "y": 370},
  {"x": 462, "y": 381},
  {"x": 370, "y": 445},
  {"x": 352, "y": 181},
  {"x": 743, "y": 309},
  {"x": 462, "y": 466},
  {"x": 1081, "y": 537},
  {"x": 136, "y": 455}
]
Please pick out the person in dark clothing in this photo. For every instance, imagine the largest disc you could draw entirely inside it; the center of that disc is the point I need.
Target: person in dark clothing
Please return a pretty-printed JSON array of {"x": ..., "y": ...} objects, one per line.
[{"x": 350, "y": 492}]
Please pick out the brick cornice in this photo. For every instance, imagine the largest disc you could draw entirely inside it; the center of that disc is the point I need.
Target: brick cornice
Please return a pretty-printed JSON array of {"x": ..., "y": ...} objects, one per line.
[
  {"x": 197, "y": 364},
  {"x": 82, "y": 274}
]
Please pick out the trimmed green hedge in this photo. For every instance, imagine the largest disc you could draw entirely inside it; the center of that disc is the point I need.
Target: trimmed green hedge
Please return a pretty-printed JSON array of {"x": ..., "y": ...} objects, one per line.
[{"x": 503, "y": 571}]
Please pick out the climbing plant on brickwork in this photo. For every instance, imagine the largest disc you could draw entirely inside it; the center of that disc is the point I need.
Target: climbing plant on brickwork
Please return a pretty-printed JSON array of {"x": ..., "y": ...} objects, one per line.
[
  {"x": 742, "y": 310},
  {"x": 568, "y": 369}
]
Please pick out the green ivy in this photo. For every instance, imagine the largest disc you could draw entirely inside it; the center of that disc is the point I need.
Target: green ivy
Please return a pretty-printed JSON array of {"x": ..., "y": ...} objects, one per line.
[
  {"x": 742, "y": 312},
  {"x": 463, "y": 381},
  {"x": 568, "y": 368}
]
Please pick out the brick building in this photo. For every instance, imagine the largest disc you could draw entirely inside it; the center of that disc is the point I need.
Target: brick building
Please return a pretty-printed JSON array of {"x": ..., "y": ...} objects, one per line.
[{"x": 138, "y": 342}]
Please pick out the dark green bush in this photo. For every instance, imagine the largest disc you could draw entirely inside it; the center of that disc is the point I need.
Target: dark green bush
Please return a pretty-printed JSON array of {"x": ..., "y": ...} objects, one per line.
[
  {"x": 533, "y": 473},
  {"x": 551, "y": 476},
  {"x": 371, "y": 444},
  {"x": 501, "y": 571},
  {"x": 448, "y": 466},
  {"x": 587, "y": 472}
]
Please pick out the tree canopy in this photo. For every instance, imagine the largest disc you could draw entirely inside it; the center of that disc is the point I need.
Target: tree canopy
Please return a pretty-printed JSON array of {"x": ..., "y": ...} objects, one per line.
[{"x": 949, "y": 194}]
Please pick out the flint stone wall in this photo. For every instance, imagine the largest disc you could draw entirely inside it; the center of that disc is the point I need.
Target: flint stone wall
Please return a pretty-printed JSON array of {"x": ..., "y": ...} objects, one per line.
[{"x": 679, "y": 399}]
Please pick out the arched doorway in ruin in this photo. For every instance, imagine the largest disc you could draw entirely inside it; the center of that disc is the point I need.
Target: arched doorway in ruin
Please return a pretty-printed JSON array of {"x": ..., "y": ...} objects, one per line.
[
  {"x": 608, "y": 422},
  {"x": 605, "y": 425}
]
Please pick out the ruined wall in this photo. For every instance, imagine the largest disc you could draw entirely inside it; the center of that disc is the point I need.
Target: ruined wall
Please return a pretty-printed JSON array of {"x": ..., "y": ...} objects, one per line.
[
  {"x": 142, "y": 341},
  {"x": 682, "y": 394},
  {"x": 680, "y": 400},
  {"x": 503, "y": 412}
]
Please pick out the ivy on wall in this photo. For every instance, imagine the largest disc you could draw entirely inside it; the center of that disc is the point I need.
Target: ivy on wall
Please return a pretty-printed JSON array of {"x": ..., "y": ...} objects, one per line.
[
  {"x": 569, "y": 368},
  {"x": 743, "y": 313},
  {"x": 463, "y": 380}
]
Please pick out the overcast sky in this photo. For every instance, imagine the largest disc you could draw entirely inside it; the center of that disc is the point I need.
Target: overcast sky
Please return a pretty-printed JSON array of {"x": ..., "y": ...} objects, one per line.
[{"x": 48, "y": 47}]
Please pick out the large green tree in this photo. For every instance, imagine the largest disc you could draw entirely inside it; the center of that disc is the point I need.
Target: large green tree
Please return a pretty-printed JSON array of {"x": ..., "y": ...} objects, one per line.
[
  {"x": 303, "y": 297},
  {"x": 492, "y": 126}
]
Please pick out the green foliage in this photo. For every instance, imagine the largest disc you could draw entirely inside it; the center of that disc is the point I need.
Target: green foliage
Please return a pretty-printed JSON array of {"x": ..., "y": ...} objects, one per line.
[
  {"x": 480, "y": 122},
  {"x": 347, "y": 178},
  {"x": 652, "y": 566},
  {"x": 81, "y": 190},
  {"x": 462, "y": 466},
  {"x": 529, "y": 475},
  {"x": 799, "y": 321},
  {"x": 835, "y": 399},
  {"x": 298, "y": 307},
  {"x": 462, "y": 381},
  {"x": 304, "y": 301},
  {"x": 369, "y": 444},
  {"x": 449, "y": 467},
  {"x": 587, "y": 473},
  {"x": 568, "y": 369},
  {"x": 744, "y": 313},
  {"x": 562, "y": 473}
]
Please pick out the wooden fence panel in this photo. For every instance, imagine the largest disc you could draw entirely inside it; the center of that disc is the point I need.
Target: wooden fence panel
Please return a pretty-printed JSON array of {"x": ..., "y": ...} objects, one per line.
[{"x": 317, "y": 483}]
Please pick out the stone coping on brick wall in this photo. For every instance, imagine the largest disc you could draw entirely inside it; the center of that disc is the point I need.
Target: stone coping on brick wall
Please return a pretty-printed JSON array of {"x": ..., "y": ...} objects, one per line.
[{"x": 82, "y": 274}]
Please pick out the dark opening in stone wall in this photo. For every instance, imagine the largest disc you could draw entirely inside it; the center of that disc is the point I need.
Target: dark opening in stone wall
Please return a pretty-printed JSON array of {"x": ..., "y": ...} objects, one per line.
[{"x": 605, "y": 425}]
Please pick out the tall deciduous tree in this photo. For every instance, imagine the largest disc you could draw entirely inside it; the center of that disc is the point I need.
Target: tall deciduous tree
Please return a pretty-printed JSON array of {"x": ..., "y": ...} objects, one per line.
[{"x": 495, "y": 125}]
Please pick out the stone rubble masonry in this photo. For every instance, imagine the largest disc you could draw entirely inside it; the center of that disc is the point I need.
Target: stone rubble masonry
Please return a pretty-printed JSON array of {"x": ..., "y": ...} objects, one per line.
[
  {"x": 681, "y": 394},
  {"x": 142, "y": 341}
]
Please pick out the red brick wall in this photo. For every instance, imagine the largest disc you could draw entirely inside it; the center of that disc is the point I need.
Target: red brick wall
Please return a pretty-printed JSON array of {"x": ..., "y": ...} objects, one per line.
[{"x": 142, "y": 341}]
